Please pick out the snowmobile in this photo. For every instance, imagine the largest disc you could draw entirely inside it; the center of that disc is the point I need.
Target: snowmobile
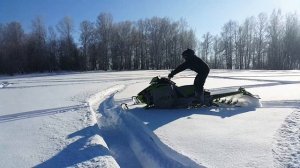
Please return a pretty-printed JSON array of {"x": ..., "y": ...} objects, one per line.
[{"x": 164, "y": 93}]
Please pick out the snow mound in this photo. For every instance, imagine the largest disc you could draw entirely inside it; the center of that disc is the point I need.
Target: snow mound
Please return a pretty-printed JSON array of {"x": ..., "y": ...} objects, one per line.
[
  {"x": 4, "y": 84},
  {"x": 248, "y": 101},
  {"x": 286, "y": 150},
  {"x": 241, "y": 100}
]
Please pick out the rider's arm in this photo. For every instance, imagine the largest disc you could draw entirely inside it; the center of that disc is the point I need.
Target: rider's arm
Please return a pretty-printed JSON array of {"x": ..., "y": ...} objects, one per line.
[{"x": 180, "y": 68}]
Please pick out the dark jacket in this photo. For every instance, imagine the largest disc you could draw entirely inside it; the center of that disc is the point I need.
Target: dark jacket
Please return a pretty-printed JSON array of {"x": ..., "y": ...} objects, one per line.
[{"x": 194, "y": 63}]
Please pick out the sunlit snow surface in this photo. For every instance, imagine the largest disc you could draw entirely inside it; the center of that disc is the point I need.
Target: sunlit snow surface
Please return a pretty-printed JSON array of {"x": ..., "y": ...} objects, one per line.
[{"x": 75, "y": 120}]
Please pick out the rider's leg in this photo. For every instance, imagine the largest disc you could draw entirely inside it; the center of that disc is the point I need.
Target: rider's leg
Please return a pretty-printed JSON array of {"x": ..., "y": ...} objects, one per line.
[{"x": 199, "y": 89}]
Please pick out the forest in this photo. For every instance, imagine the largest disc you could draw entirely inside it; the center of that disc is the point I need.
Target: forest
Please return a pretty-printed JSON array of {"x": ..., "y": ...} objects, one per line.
[{"x": 259, "y": 42}]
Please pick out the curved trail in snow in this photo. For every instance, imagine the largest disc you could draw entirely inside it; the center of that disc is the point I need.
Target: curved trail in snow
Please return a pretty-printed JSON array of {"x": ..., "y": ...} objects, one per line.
[
  {"x": 131, "y": 143},
  {"x": 286, "y": 150}
]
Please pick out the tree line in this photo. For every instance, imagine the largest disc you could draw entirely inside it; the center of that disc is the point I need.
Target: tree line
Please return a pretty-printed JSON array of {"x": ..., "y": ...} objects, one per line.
[
  {"x": 154, "y": 43},
  {"x": 260, "y": 42}
]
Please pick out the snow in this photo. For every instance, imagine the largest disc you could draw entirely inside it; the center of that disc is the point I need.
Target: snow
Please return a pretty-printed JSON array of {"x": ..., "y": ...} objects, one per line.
[
  {"x": 286, "y": 146},
  {"x": 76, "y": 120}
]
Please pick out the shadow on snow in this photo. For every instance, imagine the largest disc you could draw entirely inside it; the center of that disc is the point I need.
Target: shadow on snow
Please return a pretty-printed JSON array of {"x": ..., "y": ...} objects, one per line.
[
  {"x": 78, "y": 151},
  {"x": 157, "y": 118},
  {"x": 281, "y": 104}
]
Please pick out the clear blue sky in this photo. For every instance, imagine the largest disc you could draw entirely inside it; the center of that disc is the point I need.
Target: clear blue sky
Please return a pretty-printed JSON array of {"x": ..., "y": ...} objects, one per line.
[{"x": 202, "y": 15}]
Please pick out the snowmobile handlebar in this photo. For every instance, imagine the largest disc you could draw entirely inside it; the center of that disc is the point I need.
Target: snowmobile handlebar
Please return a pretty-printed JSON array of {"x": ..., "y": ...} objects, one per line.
[{"x": 162, "y": 80}]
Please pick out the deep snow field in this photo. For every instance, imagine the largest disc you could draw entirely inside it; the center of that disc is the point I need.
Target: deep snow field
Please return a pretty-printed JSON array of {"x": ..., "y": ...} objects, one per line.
[{"x": 76, "y": 120}]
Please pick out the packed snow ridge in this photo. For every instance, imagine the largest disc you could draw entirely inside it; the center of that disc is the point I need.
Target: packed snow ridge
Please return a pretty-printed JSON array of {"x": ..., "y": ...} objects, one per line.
[
  {"x": 131, "y": 143},
  {"x": 287, "y": 142}
]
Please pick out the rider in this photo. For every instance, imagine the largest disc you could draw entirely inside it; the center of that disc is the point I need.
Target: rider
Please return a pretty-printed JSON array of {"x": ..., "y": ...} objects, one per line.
[{"x": 199, "y": 66}]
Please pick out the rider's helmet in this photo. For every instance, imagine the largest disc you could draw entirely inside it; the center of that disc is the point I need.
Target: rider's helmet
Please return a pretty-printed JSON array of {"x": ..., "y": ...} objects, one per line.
[{"x": 188, "y": 52}]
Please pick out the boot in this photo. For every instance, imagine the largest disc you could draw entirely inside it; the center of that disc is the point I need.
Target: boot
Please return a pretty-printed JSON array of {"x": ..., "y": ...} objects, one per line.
[{"x": 200, "y": 97}]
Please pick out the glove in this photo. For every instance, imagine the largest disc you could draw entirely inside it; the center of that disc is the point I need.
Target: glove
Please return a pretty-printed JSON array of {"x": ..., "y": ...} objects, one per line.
[{"x": 170, "y": 76}]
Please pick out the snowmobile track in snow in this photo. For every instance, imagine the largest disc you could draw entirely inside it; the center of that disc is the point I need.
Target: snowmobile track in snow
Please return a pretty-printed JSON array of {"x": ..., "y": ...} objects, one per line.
[{"x": 131, "y": 143}]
